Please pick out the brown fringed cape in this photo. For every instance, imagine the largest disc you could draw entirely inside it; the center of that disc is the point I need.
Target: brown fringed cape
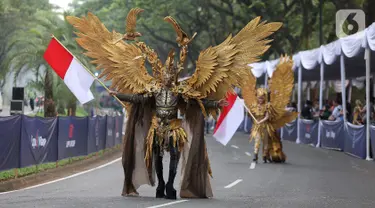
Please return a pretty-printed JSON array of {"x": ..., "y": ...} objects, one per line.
[{"x": 194, "y": 160}]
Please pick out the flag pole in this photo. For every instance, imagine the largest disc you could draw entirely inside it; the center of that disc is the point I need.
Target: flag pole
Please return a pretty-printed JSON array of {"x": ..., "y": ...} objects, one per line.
[
  {"x": 97, "y": 79},
  {"x": 243, "y": 103}
]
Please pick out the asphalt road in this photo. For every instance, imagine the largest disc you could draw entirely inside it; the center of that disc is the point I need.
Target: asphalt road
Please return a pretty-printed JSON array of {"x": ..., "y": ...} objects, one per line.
[{"x": 312, "y": 177}]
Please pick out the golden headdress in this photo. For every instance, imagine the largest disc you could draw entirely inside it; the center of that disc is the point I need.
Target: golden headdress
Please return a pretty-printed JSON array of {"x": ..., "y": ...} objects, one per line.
[{"x": 261, "y": 91}]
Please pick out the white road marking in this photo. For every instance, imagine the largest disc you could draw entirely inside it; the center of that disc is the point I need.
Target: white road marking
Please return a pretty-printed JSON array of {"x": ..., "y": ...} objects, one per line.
[
  {"x": 61, "y": 179},
  {"x": 252, "y": 166},
  {"x": 234, "y": 146},
  {"x": 167, "y": 204},
  {"x": 248, "y": 154},
  {"x": 233, "y": 184}
]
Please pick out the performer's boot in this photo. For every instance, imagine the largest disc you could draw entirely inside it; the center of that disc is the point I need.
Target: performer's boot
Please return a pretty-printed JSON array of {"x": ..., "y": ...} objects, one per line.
[
  {"x": 255, "y": 159},
  {"x": 265, "y": 159},
  {"x": 159, "y": 172},
  {"x": 170, "y": 191}
]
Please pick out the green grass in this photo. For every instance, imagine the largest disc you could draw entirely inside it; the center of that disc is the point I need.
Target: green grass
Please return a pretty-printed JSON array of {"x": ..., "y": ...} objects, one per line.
[{"x": 10, "y": 174}]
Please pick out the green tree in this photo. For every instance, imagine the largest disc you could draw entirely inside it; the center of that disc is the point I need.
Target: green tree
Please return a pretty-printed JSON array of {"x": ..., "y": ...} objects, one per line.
[{"x": 214, "y": 20}]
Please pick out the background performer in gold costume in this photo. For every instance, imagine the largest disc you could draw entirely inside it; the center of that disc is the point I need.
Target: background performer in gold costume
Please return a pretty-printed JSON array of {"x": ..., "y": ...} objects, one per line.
[
  {"x": 153, "y": 100},
  {"x": 270, "y": 116}
]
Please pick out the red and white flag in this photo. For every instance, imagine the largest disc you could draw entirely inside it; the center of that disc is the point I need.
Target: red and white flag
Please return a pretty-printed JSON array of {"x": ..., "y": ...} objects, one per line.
[
  {"x": 229, "y": 120},
  {"x": 75, "y": 76}
]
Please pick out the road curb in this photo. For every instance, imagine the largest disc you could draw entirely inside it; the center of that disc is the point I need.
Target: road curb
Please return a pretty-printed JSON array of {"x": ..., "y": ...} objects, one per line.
[{"x": 59, "y": 172}]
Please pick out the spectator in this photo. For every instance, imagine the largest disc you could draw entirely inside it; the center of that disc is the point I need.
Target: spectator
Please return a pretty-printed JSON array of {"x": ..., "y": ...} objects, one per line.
[
  {"x": 349, "y": 112},
  {"x": 357, "y": 115},
  {"x": 364, "y": 111},
  {"x": 336, "y": 114},
  {"x": 307, "y": 111},
  {"x": 291, "y": 108},
  {"x": 316, "y": 106},
  {"x": 332, "y": 107},
  {"x": 315, "y": 109},
  {"x": 32, "y": 104},
  {"x": 294, "y": 105},
  {"x": 325, "y": 113}
]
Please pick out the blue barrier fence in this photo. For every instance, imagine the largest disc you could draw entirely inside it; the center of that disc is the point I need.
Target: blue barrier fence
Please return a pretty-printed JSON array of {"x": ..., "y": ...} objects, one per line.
[
  {"x": 350, "y": 139},
  {"x": 26, "y": 141}
]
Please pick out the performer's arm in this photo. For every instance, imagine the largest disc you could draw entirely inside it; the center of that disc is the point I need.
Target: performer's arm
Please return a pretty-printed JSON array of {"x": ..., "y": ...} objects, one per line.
[
  {"x": 210, "y": 103},
  {"x": 264, "y": 119},
  {"x": 130, "y": 98}
]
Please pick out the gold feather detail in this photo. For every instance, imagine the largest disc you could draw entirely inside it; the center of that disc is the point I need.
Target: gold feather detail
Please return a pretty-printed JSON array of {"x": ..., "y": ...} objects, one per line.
[
  {"x": 122, "y": 63},
  {"x": 221, "y": 68},
  {"x": 131, "y": 20},
  {"x": 281, "y": 86}
]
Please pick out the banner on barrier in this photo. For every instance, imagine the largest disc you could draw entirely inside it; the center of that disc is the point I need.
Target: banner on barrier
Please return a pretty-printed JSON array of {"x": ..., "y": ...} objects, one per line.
[
  {"x": 96, "y": 134},
  {"x": 110, "y": 136},
  {"x": 308, "y": 132},
  {"x": 38, "y": 140},
  {"x": 119, "y": 120},
  {"x": 92, "y": 138},
  {"x": 10, "y": 136},
  {"x": 372, "y": 133},
  {"x": 332, "y": 134},
  {"x": 102, "y": 131},
  {"x": 289, "y": 131},
  {"x": 355, "y": 140},
  {"x": 72, "y": 137}
]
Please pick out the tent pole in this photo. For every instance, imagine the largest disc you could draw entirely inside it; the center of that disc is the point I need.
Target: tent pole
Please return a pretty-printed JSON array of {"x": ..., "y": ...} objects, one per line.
[
  {"x": 320, "y": 99},
  {"x": 299, "y": 101},
  {"x": 321, "y": 85},
  {"x": 343, "y": 86},
  {"x": 368, "y": 121}
]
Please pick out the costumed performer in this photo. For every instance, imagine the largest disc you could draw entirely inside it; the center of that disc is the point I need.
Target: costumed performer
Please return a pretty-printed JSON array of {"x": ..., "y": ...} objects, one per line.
[
  {"x": 153, "y": 101},
  {"x": 270, "y": 116}
]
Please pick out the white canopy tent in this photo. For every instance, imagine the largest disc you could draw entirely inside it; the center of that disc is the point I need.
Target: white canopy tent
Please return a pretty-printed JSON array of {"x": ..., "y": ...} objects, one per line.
[{"x": 342, "y": 59}]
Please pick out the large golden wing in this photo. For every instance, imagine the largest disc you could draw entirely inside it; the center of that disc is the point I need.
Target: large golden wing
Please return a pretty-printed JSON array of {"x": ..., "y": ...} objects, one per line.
[
  {"x": 131, "y": 20},
  {"x": 121, "y": 62},
  {"x": 221, "y": 68},
  {"x": 248, "y": 90},
  {"x": 281, "y": 86}
]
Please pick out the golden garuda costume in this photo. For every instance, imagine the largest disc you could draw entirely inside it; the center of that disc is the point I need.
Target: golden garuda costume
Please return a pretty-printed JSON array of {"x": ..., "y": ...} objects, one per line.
[
  {"x": 272, "y": 115},
  {"x": 153, "y": 101}
]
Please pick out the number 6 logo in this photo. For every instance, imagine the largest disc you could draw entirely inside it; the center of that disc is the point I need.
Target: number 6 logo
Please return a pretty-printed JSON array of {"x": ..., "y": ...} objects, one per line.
[{"x": 349, "y": 22}]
